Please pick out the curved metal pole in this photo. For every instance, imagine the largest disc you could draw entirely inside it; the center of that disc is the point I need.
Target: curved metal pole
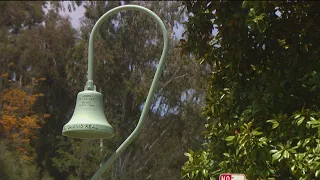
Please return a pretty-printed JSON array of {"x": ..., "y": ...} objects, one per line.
[{"x": 146, "y": 107}]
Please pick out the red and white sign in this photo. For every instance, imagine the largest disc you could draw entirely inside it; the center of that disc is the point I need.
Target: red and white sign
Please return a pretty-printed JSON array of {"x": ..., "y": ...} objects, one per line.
[{"x": 228, "y": 176}]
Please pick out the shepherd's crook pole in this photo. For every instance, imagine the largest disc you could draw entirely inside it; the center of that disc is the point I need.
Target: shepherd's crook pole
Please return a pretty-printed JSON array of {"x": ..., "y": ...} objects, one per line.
[{"x": 146, "y": 107}]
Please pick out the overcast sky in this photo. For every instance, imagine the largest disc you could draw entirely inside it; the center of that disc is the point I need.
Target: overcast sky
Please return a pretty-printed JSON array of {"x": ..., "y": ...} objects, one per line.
[{"x": 76, "y": 15}]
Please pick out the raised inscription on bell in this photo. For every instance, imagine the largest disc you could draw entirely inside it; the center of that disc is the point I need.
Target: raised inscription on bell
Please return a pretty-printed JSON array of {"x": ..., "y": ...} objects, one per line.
[
  {"x": 80, "y": 126},
  {"x": 88, "y": 102}
]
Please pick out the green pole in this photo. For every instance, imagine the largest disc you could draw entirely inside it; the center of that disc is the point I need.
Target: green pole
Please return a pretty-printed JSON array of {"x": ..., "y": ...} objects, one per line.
[{"x": 90, "y": 85}]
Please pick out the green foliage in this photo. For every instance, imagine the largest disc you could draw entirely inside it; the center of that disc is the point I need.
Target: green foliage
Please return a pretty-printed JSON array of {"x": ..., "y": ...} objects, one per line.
[
  {"x": 38, "y": 43},
  {"x": 13, "y": 167},
  {"x": 262, "y": 104},
  {"x": 125, "y": 61},
  {"x": 77, "y": 159},
  {"x": 34, "y": 44}
]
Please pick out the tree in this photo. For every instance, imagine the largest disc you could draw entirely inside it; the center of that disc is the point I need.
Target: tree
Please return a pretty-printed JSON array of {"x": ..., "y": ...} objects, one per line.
[
  {"x": 13, "y": 167},
  {"x": 77, "y": 159},
  {"x": 262, "y": 105},
  {"x": 15, "y": 19},
  {"x": 34, "y": 44},
  {"x": 18, "y": 123},
  {"x": 127, "y": 50}
]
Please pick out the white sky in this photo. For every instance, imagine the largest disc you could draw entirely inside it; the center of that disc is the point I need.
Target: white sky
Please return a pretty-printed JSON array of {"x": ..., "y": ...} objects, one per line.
[{"x": 76, "y": 15}]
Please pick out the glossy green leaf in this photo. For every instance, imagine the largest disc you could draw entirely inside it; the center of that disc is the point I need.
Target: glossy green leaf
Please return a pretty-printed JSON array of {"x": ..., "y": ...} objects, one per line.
[
  {"x": 276, "y": 156},
  {"x": 229, "y": 138}
]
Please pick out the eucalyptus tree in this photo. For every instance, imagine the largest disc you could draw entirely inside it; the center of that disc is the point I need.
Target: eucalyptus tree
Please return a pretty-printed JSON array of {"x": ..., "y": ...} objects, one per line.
[{"x": 127, "y": 50}]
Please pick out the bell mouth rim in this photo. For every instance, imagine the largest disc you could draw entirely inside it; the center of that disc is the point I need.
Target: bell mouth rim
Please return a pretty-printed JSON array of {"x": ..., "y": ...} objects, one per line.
[{"x": 88, "y": 131}]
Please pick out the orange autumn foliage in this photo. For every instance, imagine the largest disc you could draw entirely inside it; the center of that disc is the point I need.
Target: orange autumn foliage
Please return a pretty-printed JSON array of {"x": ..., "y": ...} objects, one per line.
[{"x": 18, "y": 123}]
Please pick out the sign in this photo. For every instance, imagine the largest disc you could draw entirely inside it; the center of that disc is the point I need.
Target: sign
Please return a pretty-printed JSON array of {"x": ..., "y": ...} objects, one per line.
[{"x": 228, "y": 176}]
